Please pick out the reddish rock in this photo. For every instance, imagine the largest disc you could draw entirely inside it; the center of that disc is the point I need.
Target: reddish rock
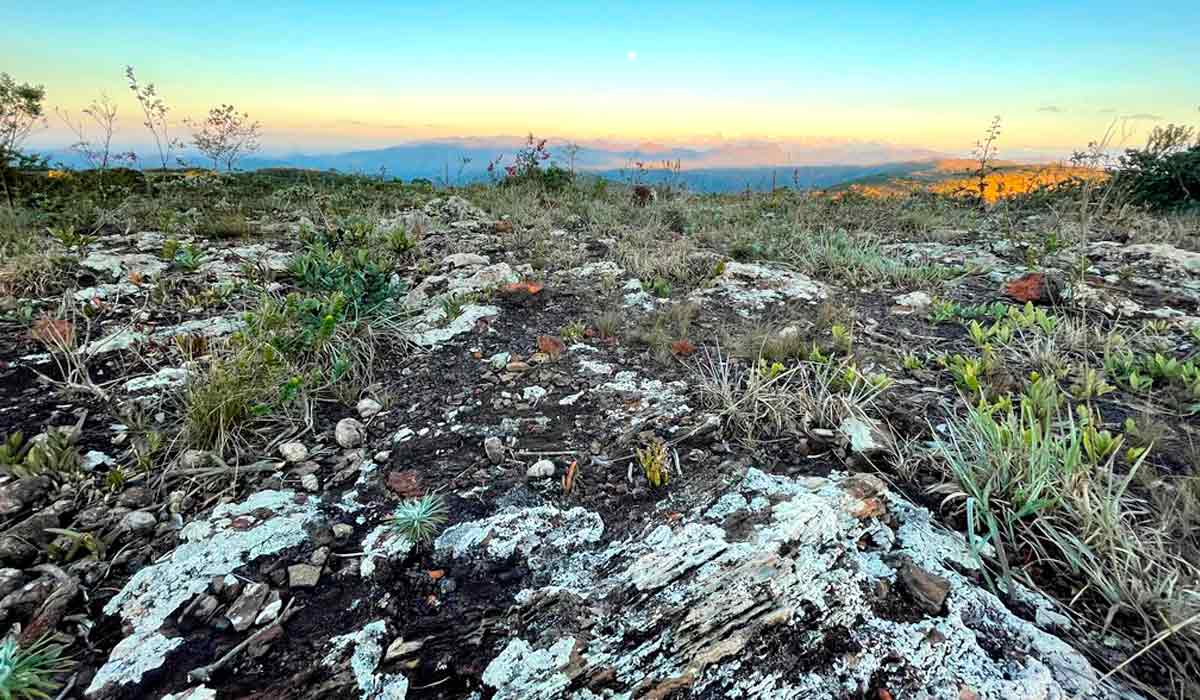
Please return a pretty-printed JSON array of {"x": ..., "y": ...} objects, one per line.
[
  {"x": 1035, "y": 287},
  {"x": 404, "y": 484},
  {"x": 551, "y": 345},
  {"x": 682, "y": 348}
]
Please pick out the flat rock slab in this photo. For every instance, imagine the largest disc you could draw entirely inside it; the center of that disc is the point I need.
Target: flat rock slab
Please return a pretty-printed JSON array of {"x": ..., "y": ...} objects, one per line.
[{"x": 783, "y": 588}]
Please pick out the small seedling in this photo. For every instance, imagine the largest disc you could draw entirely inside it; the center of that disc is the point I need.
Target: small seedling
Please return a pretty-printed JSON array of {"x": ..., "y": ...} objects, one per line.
[
  {"x": 654, "y": 462},
  {"x": 660, "y": 288},
  {"x": 573, "y": 331},
  {"x": 1091, "y": 385},
  {"x": 420, "y": 518}
]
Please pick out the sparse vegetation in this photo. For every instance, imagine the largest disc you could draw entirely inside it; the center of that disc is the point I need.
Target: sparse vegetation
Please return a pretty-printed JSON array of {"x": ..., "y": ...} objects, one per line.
[{"x": 1060, "y": 432}]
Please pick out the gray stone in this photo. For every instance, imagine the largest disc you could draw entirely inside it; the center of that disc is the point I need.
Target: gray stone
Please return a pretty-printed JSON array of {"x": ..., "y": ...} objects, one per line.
[
  {"x": 21, "y": 494},
  {"x": 914, "y": 301},
  {"x": 245, "y": 609},
  {"x": 293, "y": 452},
  {"x": 368, "y": 407},
  {"x": 466, "y": 260},
  {"x": 138, "y": 522},
  {"x": 864, "y": 436},
  {"x": 303, "y": 575},
  {"x": 349, "y": 433},
  {"x": 541, "y": 469},
  {"x": 270, "y": 610},
  {"x": 493, "y": 447}
]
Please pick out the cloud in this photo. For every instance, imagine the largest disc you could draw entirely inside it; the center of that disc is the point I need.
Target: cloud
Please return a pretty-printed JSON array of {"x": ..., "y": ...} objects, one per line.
[
  {"x": 386, "y": 125},
  {"x": 1143, "y": 117},
  {"x": 1053, "y": 109}
]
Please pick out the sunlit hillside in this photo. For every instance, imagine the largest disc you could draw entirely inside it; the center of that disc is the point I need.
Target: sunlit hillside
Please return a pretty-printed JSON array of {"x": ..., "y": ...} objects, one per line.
[{"x": 955, "y": 177}]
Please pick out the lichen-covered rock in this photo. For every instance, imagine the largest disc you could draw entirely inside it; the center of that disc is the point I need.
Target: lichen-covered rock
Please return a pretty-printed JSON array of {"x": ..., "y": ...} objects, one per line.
[
  {"x": 433, "y": 329},
  {"x": 233, "y": 535},
  {"x": 366, "y": 650},
  {"x": 538, "y": 534},
  {"x": 789, "y": 589},
  {"x": 750, "y": 287},
  {"x": 454, "y": 208},
  {"x": 460, "y": 282}
]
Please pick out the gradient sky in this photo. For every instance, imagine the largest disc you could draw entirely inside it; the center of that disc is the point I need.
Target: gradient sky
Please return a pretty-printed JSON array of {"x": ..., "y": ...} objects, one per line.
[{"x": 341, "y": 75}]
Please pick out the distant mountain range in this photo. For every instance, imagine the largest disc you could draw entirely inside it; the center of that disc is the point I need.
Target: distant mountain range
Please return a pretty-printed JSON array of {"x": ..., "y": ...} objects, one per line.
[{"x": 722, "y": 167}]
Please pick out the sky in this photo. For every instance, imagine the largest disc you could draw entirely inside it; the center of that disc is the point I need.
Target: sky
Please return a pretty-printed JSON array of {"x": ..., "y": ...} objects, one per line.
[{"x": 330, "y": 76}]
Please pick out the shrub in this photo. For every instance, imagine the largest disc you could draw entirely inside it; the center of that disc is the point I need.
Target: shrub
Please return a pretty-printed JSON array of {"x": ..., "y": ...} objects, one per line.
[
  {"x": 1165, "y": 173},
  {"x": 353, "y": 273},
  {"x": 526, "y": 168},
  {"x": 20, "y": 110},
  {"x": 225, "y": 136}
]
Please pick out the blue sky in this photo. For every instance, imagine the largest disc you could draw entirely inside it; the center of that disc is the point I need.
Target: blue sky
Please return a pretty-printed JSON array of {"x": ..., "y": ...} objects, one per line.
[{"x": 323, "y": 75}]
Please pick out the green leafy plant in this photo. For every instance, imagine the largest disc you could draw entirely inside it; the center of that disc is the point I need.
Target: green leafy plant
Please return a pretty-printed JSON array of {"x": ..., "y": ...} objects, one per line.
[
  {"x": 170, "y": 248},
  {"x": 1031, "y": 316},
  {"x": 843, "y": 337},
  {"x": 1042, "y": 396},
  {"x": 420, "y": 518},
  {"x": 1090, "y": 385},
  {"x": 189, "y": 258},
  {"x": 28, "y": 672},
  {"x": 54, "y": 452},
  {"x": 70, "y": 237},
  {"x": 967, "y": 371},
  {"x": 573, "y": 331},
  {"x": 454, "y": 305},
  {"x": 354, "y": 273},
  {"x": 71, "y": 542},
  {"x": 660, "y": 287}
]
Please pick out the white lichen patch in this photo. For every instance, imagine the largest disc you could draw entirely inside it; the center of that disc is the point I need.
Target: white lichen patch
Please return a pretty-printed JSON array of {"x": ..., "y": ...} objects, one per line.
[
  {"x": 163, "y": 378},
  {"x": 367, "y": 650},
  {"x": 119, "y": 266},
  {"x": 648, "y": 398},
  {"x": 431, "y": 329},
  {"x": 385, "y": 542},
  {"x": 636, "y": 297},
  {"x": 106, "y": 292},
  {"x": 521, "y": 672},
  {"x": 234, "y": 534},
  {"x": 687, "y": 608},
  {"x": 539, "y": 534},
  {"x": 750, "y": 287}
]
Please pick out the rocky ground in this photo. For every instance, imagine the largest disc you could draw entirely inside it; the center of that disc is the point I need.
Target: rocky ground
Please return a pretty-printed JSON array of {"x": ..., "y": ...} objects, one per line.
[{"x": 531, "y": 393}]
